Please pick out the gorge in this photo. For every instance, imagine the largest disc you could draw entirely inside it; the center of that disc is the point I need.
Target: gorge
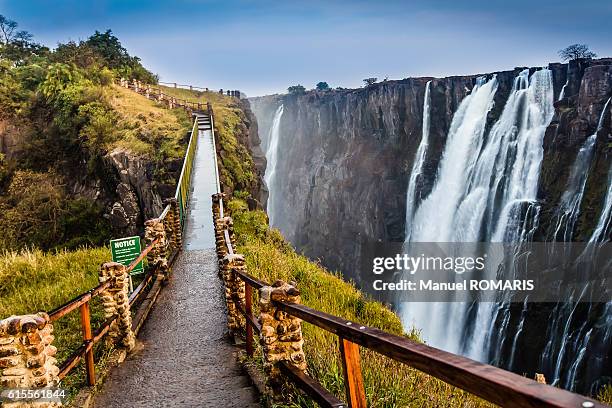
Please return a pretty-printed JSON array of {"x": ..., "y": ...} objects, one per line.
[{"x": 507, "y": 156}]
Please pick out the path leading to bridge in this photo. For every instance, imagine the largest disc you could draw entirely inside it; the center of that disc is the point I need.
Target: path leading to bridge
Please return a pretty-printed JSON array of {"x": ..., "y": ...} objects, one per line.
[{"x": 184, "y": 357}]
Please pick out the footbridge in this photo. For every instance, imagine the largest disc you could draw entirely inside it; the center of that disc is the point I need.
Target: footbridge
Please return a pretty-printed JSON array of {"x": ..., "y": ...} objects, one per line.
[{"x": 174, "y": 335}]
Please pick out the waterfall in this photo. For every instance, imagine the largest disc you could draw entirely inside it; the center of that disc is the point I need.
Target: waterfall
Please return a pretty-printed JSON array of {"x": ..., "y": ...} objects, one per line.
[
  {"x": 603, "y": 224},
  {"x": 562, "y": 93},
  {"x": 272, "y": 161},
  {"x": 419, "y": 161},
  {"x": 485, "y": 190},
  {"x": 569, "y": 206}
]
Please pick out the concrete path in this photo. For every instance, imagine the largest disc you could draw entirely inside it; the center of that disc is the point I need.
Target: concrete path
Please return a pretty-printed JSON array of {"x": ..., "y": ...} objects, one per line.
[{"x": 184, "y": 357}]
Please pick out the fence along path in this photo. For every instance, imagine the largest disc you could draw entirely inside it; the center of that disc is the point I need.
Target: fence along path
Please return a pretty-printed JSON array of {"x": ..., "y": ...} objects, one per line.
[{"x": 186, "y": 359}]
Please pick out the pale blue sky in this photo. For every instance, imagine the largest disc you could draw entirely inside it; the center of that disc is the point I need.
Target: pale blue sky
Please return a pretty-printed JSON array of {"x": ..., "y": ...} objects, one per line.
[{"x": 262, "y": 46}]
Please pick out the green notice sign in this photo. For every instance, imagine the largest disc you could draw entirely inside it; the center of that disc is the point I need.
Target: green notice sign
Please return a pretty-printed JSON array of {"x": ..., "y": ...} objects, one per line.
[{"x": 125, "y": 251}]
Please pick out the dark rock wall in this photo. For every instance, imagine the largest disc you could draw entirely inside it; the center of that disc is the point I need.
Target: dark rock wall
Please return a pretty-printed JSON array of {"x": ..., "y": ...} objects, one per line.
[{"x": 345, "y": 155}]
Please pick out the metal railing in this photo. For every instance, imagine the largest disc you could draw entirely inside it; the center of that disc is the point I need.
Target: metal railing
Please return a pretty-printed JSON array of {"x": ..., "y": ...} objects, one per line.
[{"x": 485, "y": 381}]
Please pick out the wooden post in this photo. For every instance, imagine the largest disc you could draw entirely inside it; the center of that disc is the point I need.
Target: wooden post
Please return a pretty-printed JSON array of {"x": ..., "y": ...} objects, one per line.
[
  {"x": 248, "y": 302},
  {"x": 88, "y": 338},
  {"x": 353, "y": 380}
]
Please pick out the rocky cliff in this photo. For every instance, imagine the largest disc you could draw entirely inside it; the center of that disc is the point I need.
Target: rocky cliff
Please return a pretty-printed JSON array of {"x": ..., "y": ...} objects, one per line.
[{"x": 346, "y": 155}]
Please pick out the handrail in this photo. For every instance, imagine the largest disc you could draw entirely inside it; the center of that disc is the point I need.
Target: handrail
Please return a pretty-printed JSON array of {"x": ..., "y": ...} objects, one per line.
[
  {"x": 491, "y": 383},
  {"x": 82, "y": 301}
]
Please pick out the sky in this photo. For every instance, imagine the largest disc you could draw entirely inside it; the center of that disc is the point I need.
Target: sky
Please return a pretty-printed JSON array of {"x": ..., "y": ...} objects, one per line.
[{"x": 262, "y": 47}]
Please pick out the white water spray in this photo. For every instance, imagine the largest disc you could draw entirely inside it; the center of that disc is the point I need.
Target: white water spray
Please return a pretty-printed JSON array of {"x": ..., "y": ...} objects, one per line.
[
  {"x": 419, "y": 160},
  {"x": 272, "y": 160}
]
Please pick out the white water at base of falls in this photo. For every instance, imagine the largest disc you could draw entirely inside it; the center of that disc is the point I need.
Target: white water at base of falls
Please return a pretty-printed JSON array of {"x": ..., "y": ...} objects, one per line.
[
  {"x": 272, "y": 160},
  {"x": 483, "y": 184},
  {"x": 419, "y": 161}
]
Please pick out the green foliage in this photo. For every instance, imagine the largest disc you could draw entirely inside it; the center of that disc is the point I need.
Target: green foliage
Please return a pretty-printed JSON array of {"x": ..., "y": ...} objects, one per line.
[
  {"x": 370, "y": 81},
  {"x": 296, "y": 89},
  {"x": 117, "y": 58},
  {"x": 36, "y": 211},
  {"x": 576, "y": 51},
  {"x": 322, "y": 86}
]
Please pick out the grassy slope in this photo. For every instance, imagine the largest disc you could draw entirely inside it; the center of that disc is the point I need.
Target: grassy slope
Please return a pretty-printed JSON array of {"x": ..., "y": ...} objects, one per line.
[
  {"x": 32, "y": 281},
  {"x": 146, "y": 126}
]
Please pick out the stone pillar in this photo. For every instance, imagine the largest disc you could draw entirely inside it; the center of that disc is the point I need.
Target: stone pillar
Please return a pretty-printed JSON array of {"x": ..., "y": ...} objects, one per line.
[
  {"x": 281, "y": 334},
  {"x": 172, "y": 225},
  {"x": 117, "y": 304},
  {"x": 218, "y": 227},
  {"x": 158, "y": 256},
  {"x": 27, "y": 355},
  {"x": 234, "y": 291}
]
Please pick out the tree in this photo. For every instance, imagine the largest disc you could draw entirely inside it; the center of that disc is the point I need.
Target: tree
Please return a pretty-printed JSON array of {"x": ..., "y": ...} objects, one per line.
[
  {"x": 370, "y": 81},
  {"x": 296, "y": 89},
  {"x": 7, "y": 30},
  {"x": 576, "y": 51},
  {"x": 322, "y": 86}
]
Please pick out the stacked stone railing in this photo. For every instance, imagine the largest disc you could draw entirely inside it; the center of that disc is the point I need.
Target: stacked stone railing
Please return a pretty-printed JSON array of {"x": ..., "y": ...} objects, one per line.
[
  {"x": 280, "y": 336},
  {"x": 27, "y": 350}
]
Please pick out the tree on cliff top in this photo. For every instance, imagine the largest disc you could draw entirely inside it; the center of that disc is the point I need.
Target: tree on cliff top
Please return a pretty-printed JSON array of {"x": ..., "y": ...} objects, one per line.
[
  {"x": 322, "y": 86},
  {"x": 576, "y": 51},
  {"x": 370, "y": 81},
  {"x": 296, "y": 89}
]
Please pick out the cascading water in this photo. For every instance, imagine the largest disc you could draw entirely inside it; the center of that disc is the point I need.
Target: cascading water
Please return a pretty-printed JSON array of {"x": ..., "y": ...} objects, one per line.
[
  {"x": 272, "y": 160},
  {"x": 569, "y": 207},
  {"x": 485, "y": 189},
  {"x": 562, "y": 93},
  {"x": 419, "y": 161}
]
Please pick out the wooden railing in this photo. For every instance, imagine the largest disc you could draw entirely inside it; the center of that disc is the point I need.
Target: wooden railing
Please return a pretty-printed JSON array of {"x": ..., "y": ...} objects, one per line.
[
  {"x": 82, "y": 302},
  {"x": 228, "y": 92},
  {"x": 490, "y": 383}
]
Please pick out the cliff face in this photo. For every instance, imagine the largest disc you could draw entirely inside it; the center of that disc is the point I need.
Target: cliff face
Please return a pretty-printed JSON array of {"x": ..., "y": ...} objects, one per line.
[{"x": 345, "y": 155}]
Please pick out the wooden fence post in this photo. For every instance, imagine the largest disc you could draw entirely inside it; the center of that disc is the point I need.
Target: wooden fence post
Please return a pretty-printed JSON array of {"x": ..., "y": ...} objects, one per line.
[
  {"x": 88, "y": 338},
  {"x": 281, "y": 334},
  {"x": 248, "y": 308},
  {"x": 353, "y": 379}
]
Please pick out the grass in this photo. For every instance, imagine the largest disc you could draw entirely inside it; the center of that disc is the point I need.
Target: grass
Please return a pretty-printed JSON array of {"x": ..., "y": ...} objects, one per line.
[
  {"x": 33, "y": 281},
  {"x": 236, "y": 164},
  {"x": 387, "y": 382},
  {"x": 148, "y": 128}
]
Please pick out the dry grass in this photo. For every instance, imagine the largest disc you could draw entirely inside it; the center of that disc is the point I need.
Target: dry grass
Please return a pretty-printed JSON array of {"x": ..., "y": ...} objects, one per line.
[{"x": 148, "y": 127}]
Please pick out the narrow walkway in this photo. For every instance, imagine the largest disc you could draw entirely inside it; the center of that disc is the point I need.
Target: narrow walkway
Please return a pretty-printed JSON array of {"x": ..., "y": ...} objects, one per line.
[{"x": 184, "y": 356}]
